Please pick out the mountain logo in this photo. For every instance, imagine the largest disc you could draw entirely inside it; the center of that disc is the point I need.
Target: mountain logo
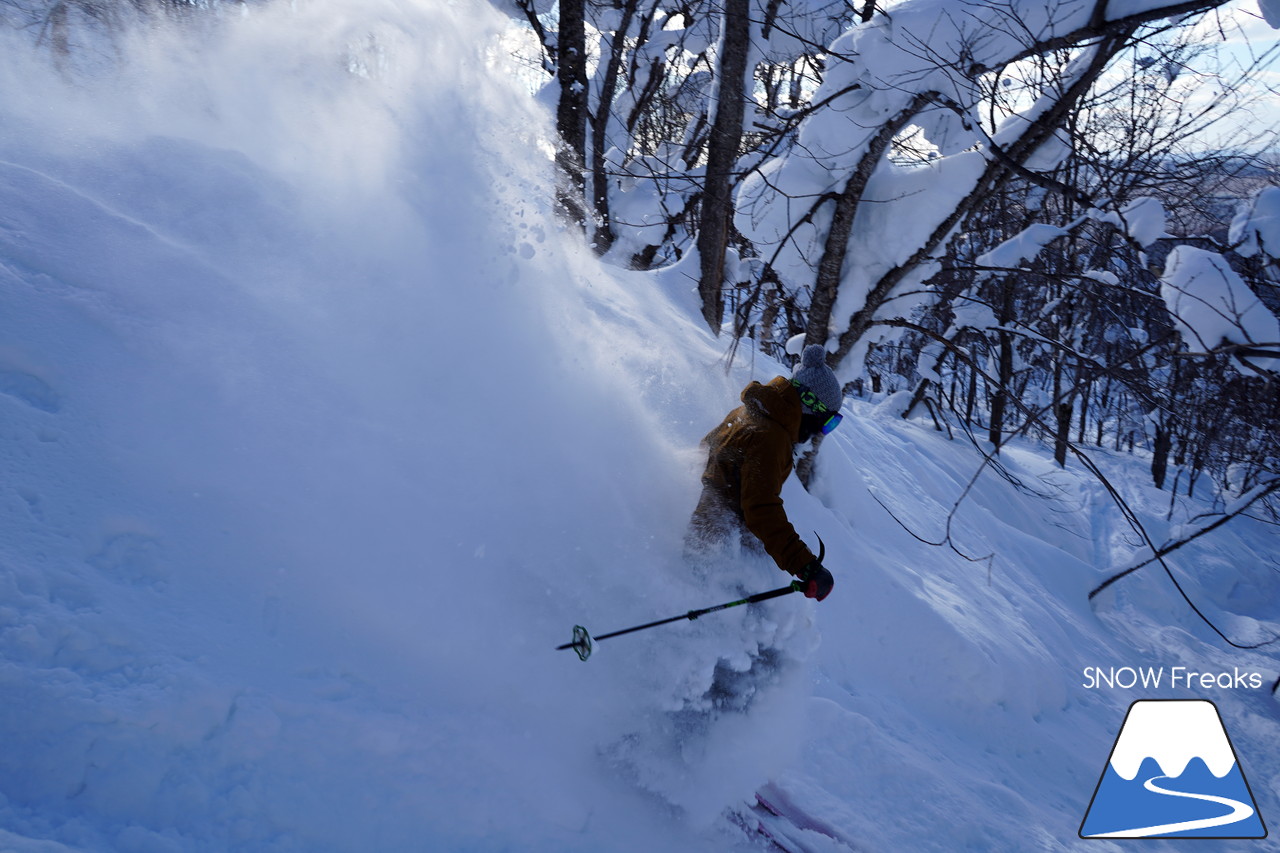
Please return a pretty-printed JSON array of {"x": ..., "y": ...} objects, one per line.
[{"x": 1172, "y": 773}]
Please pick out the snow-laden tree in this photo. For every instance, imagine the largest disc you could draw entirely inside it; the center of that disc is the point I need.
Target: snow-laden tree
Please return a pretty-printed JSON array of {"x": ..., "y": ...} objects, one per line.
[
  {"x": 836, "y": 214},
  {"x": 658, "y": 102},
  {"x": 1051, "y": 289}
]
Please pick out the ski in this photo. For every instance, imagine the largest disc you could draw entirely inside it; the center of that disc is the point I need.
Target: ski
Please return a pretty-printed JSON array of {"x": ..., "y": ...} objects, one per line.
[
  {"x": 777, "y": 803},
  {"x": 775, "y": 819},
  {"x": 760, "y": 825}
]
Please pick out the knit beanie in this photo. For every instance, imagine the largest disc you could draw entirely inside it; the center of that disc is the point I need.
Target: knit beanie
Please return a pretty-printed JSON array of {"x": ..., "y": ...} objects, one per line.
[{"x": 813, "y": 375}]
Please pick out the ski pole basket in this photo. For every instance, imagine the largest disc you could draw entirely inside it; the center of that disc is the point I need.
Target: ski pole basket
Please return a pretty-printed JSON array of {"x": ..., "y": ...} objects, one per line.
[{"x": 581, "y": 642}]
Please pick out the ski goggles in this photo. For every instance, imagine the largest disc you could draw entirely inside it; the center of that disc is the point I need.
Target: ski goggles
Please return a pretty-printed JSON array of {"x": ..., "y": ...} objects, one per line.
[{"x": 830, "y": 419}]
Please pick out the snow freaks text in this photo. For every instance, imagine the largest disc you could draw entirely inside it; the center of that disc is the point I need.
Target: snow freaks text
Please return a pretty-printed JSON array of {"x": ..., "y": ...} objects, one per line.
[{"x": 1158, "y": 677}]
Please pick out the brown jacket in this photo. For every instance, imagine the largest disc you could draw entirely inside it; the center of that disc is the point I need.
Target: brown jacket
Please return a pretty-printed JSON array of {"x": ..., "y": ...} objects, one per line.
[{"x": 749, "y": 458}]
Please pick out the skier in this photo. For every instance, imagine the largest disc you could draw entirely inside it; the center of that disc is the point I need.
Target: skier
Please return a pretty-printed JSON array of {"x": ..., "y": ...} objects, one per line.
[{"x": 750, "y": 457}]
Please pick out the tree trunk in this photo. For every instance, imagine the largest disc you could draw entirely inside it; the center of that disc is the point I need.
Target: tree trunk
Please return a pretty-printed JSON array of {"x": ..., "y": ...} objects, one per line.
[
  {"x": 1062, "y": 416},
  {"x": 971, "y": 395},
  {"x": 1004, "y": 376},
  {"x": 571, "y": 111},
  {"x": 58, "y": 33},
  {"x": 603, "y": 239},
  {"x": 831, "y": 265},
  {"x": 722, "y": 154},
  {"x": 1160, "y": 455},
  {"x": 1085, "y": 391},
  {"x": 1062, "y": 440}
]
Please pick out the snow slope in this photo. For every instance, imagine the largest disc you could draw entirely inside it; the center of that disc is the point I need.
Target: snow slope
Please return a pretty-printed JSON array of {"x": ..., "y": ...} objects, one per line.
[{"x": 318, "y": 437}]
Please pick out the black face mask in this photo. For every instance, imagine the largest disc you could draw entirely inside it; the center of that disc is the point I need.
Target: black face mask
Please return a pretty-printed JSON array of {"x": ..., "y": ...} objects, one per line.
[{"x": 810, "y": 425}]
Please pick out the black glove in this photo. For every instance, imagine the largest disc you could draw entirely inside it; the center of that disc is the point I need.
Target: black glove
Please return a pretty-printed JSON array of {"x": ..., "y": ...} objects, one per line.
[{"x": 817, "y": 581}]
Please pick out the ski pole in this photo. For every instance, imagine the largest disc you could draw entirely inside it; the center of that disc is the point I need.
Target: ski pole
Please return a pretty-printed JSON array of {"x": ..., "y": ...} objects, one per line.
[{"x": 583, "y": 642}]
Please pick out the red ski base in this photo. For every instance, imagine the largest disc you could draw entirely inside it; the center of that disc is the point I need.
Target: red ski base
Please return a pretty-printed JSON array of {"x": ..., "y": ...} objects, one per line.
[{"x": 775, "y": 820}]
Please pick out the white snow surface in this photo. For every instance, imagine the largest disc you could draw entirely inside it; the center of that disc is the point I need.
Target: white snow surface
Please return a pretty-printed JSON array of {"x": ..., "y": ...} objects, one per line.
[
  {"x": 319, "y": 436},
  {"x": 1256, "y": 227},
  {"x": 1145, "y": 219},
  {"x": 1022, "y": 247},
  {"x": 1210, "y": 303}
]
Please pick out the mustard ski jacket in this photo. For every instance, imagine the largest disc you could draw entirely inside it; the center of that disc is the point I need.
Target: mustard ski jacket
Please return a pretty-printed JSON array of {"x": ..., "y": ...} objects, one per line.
[{"x": 749, "y": 458}]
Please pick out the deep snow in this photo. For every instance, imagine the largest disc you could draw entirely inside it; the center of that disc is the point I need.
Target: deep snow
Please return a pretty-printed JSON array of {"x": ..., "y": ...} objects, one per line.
[{"x": 318, "y": 436}]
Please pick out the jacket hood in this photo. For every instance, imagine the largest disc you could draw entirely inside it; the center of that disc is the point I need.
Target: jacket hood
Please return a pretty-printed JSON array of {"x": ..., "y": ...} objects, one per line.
[{"x": 777, "y": 401}]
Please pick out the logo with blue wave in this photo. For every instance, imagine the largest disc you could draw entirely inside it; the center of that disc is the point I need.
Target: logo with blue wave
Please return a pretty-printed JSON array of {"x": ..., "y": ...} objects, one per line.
[{"x": 1173, "y": 773}]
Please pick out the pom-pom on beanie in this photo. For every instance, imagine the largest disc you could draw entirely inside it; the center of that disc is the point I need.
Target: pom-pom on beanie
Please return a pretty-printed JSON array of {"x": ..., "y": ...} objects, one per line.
[{"x": 813, "y": 375}]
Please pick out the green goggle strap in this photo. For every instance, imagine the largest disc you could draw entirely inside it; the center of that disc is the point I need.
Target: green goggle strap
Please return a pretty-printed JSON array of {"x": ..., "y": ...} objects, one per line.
[{"x": 810, "y": 399}]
